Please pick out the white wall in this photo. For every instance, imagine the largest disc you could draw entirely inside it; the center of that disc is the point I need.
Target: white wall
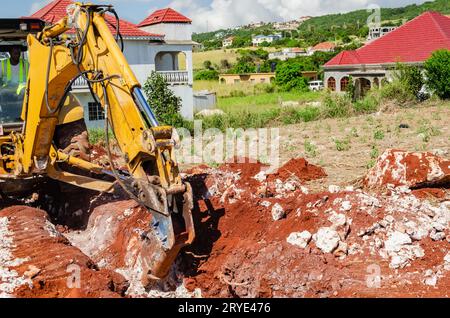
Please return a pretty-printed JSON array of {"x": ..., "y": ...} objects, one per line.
[{"x": 172, "y": 31}]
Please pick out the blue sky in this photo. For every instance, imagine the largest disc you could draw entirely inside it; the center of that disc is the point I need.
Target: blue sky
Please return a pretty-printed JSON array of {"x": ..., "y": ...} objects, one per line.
[{"x": 215, "y": 14}]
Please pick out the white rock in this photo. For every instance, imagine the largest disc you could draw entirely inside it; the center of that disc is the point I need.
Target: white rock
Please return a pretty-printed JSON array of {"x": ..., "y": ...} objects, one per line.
[
  {"x": 266, "y": 204},
  {"x": 437, "y": 236},
  {"x": 334, "y": 189},
  {"x": 304, "y": 190},
  {"x": 346, "y": 206},
  {"x": 430, "y": 278},
  {"x": 355, "y": 248},
  {"x": 447, "y": 262},
  {"x": 299, "y": 239},
  {"x": 396, "y": 240},
  {"x": 399, "y": 261},
  {"x": 327, "y": 239},
  {"x": 128, "y": 212},
  {"x": 278, "y": 212},
  {"x": 289, "y": 186},
  {"x": 261, "y": 176},
  {"x": 337, "y": 219}
]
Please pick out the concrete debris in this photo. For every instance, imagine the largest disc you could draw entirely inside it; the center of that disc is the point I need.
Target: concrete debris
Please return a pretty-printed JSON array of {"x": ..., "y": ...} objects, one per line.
[
  {"x": 327, "y": 239},
  {"x": 396, "y": 241},
  {"x": 299, "y": 239},
  {"x": 447, "y": 262},
  {"x": 10, "y": 280},
  {"x": 334, "y": 189},
  {"x": 278, "y": 212},
  {"x": 346, "y": 206}
]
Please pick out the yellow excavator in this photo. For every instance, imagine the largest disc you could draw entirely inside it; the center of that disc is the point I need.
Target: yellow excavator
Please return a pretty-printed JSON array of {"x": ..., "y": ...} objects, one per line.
[{"x": 45, "y": 135}]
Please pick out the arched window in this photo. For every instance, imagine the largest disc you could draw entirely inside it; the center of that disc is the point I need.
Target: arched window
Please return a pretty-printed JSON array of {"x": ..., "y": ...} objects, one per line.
[
  {"x": 344, "y": 83},
  {"x": 332, "y": 84}
]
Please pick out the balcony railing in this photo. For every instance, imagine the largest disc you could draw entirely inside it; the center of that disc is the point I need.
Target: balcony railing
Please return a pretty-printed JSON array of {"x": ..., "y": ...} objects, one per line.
[
  {"x": 175, "y": 77},
  {"x": 172, "y": 77},
  {"x": 80, "y": 83}
]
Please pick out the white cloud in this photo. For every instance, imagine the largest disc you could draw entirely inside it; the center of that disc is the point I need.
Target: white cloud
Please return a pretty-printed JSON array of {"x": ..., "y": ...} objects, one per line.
[
  {"x": 35, "y": 6},
  {"x": 228, "y": 13}
]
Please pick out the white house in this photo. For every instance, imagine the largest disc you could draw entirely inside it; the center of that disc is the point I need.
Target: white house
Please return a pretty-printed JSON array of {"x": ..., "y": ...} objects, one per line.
[
  {"x": 378, "y": 32},
  {"x": 260, "y": 39},
  {"x": 288, "y": 53},
  {"x": 161, "y": 43},
  {"x": 228, "y": 41}
]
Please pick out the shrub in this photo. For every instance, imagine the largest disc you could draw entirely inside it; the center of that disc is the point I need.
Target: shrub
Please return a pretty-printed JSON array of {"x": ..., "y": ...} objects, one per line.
[
  {"x": 163, "y": 101},
  {"x": 206, "y": 75},
  {"x": 342, "y": 145},
  {"x": 336, "y": 106},
  {"x": 396, "y": 91},
  {"x": 367, "y": 105},
  {"x": 378, "y": 135},
  {"x": 264, "y": 88},
  {"x": 310, "y": 149},
  {"x": 237, "y": 93},
  {"x": 411, "y": 77},
  {"x": 438, "y": 73}
]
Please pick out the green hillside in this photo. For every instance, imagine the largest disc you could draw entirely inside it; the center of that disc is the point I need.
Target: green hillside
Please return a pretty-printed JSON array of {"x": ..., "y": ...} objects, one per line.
[{"x": 343, "y": 27}]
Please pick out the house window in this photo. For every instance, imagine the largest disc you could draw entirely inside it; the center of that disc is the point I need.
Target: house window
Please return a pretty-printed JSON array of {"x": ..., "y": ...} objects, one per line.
[
  {"x": 236, "y": 81},
  {"x": 96, "y": 111},
  {"x": 332, "y": 84},
  {"x": 344, "y": 83},
  {"x": 263, "y": 80}
]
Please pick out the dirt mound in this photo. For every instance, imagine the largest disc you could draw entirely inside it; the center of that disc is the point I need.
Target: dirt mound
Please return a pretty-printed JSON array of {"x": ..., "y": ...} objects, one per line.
[
  {"x": 414, "y": 170},
  {"x": 289, "y": 243},
  {"x": 38, "y": 261},
  {"x": 300, "y": 169}
]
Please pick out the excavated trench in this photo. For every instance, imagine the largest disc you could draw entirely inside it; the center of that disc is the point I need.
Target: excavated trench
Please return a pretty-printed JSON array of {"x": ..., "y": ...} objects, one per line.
[{"x": 259, "y": 234}]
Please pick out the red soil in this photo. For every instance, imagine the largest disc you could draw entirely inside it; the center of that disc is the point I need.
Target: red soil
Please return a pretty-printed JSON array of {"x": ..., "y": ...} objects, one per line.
[
  {"x": 301, "y": 169},
  {"x": 52, "y": 257},
  {"x": 241, "y": 252}
]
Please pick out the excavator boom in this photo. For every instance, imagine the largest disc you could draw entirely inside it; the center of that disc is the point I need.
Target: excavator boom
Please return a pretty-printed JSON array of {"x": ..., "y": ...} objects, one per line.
[{"x": 81, "y": 45}]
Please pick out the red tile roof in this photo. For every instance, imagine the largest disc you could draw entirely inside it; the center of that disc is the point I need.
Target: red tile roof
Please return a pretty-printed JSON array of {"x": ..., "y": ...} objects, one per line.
[
  {"x": 324, "y": 46},
  {"x": 56, "y": 10},
  {"x": 167, "y": 15},
  {"x": 415, "y": 41}
]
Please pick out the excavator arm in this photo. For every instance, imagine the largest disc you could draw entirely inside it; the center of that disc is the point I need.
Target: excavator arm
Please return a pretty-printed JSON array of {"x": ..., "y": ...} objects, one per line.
[{"x": 58, "y": 56}]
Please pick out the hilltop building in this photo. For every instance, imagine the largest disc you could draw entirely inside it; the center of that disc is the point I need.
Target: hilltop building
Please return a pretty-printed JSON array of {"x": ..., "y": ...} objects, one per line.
[
  {"x": 378, "y": 32},
  {"x": 260, "y": 39}
]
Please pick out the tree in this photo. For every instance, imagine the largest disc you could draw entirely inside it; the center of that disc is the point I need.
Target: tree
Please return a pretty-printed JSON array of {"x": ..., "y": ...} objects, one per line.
[
  {"x": 437, "y": 69},
  {"x": 224, "y": 64},
  {"x": 206, "y": 75},
  {"x": 289, "y": 76},
  {"x": 163, "y": 101},
  {"x": 207, "y": 65}
]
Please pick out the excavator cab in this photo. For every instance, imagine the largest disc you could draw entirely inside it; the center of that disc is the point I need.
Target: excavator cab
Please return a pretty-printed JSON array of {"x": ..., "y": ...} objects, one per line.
[{"x": 14, "y": 69}]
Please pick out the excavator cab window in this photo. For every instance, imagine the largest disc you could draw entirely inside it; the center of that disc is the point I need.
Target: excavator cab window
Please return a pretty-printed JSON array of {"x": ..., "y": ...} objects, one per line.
[
  {"x": 12, "y": 86},
  {"x": 14, "y": 67}
]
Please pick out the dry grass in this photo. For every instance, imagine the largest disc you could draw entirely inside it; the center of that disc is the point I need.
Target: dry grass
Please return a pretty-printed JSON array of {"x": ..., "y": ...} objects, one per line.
[{"x": 367, "y": 137}]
